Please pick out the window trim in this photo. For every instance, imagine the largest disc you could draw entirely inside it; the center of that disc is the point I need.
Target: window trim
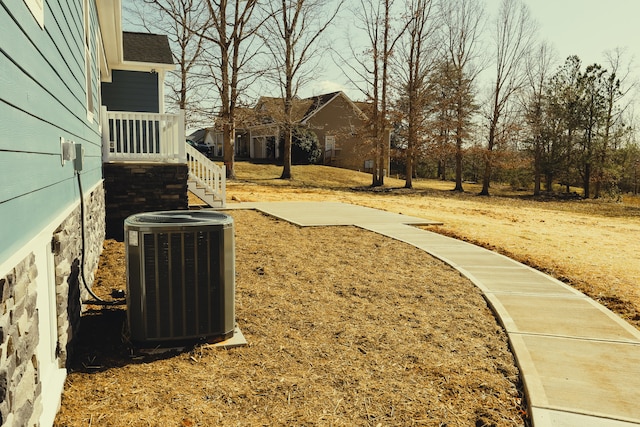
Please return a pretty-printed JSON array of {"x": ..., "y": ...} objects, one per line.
[
  {"x": 329, "y": 143},
  {"x": 36, "y": 7},
  {"x": 88, "y": 61}
]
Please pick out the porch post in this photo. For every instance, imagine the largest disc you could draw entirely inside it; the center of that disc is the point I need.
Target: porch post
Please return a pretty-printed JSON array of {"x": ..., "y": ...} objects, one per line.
[
  {"x": 182, "y": 141},
  {"x": 106, "y": 143}
]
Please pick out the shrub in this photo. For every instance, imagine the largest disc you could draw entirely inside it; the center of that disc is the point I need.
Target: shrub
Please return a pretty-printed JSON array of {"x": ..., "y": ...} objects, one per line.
[{"x": 305, "y": 148}]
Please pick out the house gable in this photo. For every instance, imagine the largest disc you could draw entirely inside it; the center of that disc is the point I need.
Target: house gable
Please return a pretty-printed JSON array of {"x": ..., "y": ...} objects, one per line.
[
  {"x": 137, "y": 82},
  {"x": 325, "y": 101},
  {"x": 339, "y": 123},
  {"x": 336, "y": 120}
]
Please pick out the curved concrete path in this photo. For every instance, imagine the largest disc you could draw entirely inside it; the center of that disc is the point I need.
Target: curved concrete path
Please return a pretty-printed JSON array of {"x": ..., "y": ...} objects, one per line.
[{"x": 580, "y": 362}]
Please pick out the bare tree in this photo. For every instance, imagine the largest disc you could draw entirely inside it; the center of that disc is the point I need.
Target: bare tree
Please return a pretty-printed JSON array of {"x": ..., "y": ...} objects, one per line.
[
  {"x": 617, "y": 86},
  {"x": 292, "y": 36},
  {"x": 462, "y": 25},
  {"x": 371, "y": 72},
  {"x": 514, "y": 35},
  {"x": 413, "y": 66},
  {"x": 231, "y": 29},
  {"x": 534, "y": 104},
  {"x": 176, "y": 19}
]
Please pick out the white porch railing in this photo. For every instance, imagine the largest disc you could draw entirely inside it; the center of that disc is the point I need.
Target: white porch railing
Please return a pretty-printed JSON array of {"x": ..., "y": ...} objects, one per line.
[
  {"x": 129, "y": 136},
  {"x": 206, "y": 179}
]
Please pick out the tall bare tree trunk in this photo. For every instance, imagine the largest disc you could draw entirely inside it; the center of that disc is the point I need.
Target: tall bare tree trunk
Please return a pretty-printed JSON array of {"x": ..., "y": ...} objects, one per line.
[
  {"x": 458, "y": 186},
  {"x": 228, "y": 137},
  {"x": 291, "y": 37},
  {"x": 488, "y": 161},
  {"x": 463, "y": 22},
  {"x": 514, "y": 35},
  {"x": 228, "y": 29},
  {"x": 537, "y": 169}
]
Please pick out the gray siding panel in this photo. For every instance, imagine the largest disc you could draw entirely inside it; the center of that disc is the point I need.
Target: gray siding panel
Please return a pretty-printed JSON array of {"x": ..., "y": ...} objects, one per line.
[{"x": 131, "y": 91}]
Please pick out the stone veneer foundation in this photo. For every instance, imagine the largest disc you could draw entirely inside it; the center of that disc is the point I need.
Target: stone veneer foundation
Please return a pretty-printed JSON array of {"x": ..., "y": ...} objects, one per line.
[
  {"x": 21, "y": 400},
  {"x": 20, "y": 387},
  {"x": 133, "y": 188},
  {"x": 67, "y": 250}
]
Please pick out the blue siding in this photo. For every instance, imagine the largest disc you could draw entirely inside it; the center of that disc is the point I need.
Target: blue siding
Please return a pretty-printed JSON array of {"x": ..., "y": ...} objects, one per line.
[
  {"x": 132, "y": 91},
  {"x": 42, "y": 98}
]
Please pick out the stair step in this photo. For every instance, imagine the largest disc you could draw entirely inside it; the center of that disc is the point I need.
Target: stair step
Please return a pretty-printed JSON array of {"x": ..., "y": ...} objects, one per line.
[{"x": 200, "y": 188}]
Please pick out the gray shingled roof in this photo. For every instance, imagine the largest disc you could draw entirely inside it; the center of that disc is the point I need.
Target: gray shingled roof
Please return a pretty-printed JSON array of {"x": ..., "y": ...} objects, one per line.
[
  {"x": 144, "y": 47},
  {"x": 318, "y": 102}
]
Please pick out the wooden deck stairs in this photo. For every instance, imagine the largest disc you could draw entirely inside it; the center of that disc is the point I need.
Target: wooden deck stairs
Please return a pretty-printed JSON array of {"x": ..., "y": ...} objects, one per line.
[{"x": 206, "y": 180}]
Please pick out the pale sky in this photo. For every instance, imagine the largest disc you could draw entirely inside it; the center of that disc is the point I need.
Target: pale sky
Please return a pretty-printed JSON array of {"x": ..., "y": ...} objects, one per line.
[{"x": 586, "y": 28}]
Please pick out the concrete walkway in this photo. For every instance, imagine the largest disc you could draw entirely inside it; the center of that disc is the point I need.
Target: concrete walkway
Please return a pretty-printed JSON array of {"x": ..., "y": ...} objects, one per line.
[{"x": 580, "y": 362}]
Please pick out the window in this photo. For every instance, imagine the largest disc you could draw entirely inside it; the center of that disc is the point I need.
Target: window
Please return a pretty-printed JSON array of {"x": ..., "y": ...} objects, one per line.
[
  {"x": 329, "y": 143},
  {"x": 37, "y": 10}
]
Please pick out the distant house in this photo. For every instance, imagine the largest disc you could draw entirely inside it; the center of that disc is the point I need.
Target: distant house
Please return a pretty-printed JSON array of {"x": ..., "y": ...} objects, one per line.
[
  {"x": 340, "y": 125},
  {"x": 212, "y": 136},
  {"x": 81, "y": 111}
]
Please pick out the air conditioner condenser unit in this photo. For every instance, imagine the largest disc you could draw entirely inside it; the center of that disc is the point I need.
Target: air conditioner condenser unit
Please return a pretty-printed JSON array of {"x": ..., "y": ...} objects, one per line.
[{"x": 180, "y": 276}]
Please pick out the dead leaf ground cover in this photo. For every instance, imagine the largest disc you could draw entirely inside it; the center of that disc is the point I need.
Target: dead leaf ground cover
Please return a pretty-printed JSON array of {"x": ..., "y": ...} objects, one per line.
[
  {"x": 592, "y": 245},
  {"x": 345, "y": 328},
  {"x": 338, "y": 340}
]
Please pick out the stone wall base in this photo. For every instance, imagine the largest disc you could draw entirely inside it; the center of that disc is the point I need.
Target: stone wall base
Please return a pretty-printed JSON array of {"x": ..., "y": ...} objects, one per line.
[
  {"x": 24, "y": 320},
  {"x": 133, "y": 188},
  {"x": 73, "y": 268}
]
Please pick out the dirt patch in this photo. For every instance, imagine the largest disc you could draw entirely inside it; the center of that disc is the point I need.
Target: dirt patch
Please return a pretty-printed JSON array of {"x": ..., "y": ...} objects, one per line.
[{"x": 345, "y": 327}]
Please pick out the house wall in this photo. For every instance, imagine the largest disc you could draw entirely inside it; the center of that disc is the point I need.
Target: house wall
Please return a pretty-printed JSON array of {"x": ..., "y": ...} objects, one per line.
[
  {"x": 49, "y": 89},
  {"x": 132, "y": 91},
  {"x": 263, "y": 143},
  {"x": 242, "y": 144},
  {"x": 21, "y": 388},
  {"x": 216, "y": 141},
  {"x": 40, "y": 302},
  {"x": 132, "y": 188},
  {"x": 73, "y": 266},
  {"x": 338, "y": 119}
]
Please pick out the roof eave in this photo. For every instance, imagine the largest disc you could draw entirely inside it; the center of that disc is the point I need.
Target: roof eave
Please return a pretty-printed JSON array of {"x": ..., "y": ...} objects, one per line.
[
  {"x": 110, "y": 19},
  {"x": 145, "y": 66},
  {"x": 306, "y": 119}
]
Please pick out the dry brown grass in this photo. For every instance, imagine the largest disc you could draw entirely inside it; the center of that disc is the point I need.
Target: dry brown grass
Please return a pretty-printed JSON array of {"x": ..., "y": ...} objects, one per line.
[
  {"x": 590, "y": 244},
  {"x": 360, "y": 330},
  {"x": 345, "y": 328}
]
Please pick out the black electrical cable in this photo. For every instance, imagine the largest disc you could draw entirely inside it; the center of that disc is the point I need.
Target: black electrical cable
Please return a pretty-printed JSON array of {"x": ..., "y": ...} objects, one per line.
[{"x": 97, "y": 300}]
